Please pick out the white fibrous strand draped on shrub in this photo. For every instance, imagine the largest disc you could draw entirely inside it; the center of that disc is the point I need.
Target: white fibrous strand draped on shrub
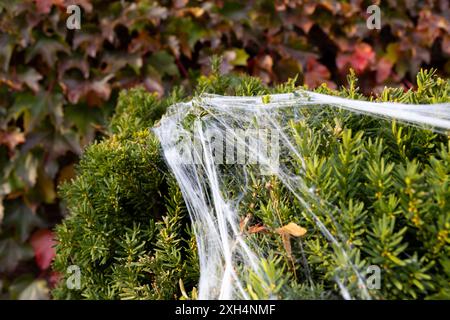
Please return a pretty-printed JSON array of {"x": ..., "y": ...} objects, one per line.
[{"x": 218, "y": 147}]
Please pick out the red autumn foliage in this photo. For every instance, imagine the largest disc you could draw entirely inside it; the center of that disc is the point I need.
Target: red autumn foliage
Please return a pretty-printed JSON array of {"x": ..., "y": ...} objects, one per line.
[
  {"x": 359, "y": 58},
  {"x": 316, "y": 74},
  {"x": 43, "y": 243}
]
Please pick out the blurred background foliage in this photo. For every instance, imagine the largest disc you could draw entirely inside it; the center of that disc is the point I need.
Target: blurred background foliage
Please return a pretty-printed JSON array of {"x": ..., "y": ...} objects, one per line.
[{"x": 58, "y": 87}]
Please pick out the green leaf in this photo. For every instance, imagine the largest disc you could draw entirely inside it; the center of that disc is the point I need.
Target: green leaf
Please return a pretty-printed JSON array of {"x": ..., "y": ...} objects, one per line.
[
  {"x": 26, "y": 169},
  {"x": 31, "y": 78},
  {"x": 11, "y": 253},
  {"x": 164, "y": 63},
  {"x": 34, "y": 108},
  {"x": 22, "y": 218},
  {"x": 241, "y": 57},
  {"x": 84, "y": 117},
  {"x": 7, "y": 46},
  {"x": 48, "y": 49}
]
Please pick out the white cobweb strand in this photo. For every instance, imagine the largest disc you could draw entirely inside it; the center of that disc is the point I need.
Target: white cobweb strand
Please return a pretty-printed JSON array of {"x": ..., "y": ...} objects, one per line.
[
  {"x": 222, "y": 249},
  {"x": 215, "y": 223}
]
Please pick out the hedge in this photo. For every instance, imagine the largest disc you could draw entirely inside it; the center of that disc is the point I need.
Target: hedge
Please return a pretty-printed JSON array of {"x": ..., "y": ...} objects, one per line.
[
  {"x": 59, "y": 87},
  {"x": 130, "y": 235}
]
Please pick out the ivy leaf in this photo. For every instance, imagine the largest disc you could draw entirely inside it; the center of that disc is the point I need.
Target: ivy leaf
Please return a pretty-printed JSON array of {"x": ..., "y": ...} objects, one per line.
[
  {"x": 11, "y": 253},
  {"x": 31, "y": 78},
  {"x": 240, "y": 57},
  {"x": 262, "y": 66},
  {"x": 384, "y": 68},
  {"x": 316, "y": 74},
  {"x": 7, "y": 47},
  {"x": 56, "y": 144},
  {"x": 42, "y": 242},
  {"x": 11, "y": 139},
  {"x": 164, "y": 63},
  {"x": 113, "y": 62},
  {"x": 44, "y": 6},
  {"x": 287, "y": 69},
  {"x": 359, "y": 60},
  {"x": 26, "y": 168},
  {"x": 97, "y": 90},
  {"x": 48, "y": 49},
  {"x": 446, "y": 44},
  {"x": 393, "y": 52},
  {"x": 74, "y": 63},
  {"x": 144, "y": 43},
  {"x": 67, "y": 173},
  {"x": 83, "y": 117},
  {"x": 22, "y": 218},
  {"x": 46, "y": 187},
  {"x": 90, "y": 43},
  {"x": 31, "y": 107},
  {"x": 178, "y": 4},
  {"x": 34, "y": 108}
]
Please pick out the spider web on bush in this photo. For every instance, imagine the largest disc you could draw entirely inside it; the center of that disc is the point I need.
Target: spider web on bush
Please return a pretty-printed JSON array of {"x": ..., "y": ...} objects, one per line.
[{"x": 217, "y": 145}]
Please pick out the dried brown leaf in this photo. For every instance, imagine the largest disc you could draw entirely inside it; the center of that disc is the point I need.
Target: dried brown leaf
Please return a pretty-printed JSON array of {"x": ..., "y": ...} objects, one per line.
[{"x": 292, "y": 229}]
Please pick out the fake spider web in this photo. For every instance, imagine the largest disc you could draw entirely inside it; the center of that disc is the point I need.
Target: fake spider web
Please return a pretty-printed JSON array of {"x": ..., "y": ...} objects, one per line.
[{"x": 217, "y": 145}]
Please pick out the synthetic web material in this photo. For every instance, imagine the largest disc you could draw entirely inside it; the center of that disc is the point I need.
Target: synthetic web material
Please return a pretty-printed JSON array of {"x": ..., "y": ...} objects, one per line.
[{"x": 191, "y": 135}]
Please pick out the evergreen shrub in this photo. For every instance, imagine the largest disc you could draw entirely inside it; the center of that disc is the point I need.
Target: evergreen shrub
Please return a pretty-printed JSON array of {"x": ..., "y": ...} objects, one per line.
[{"x": 129, "y": 232}]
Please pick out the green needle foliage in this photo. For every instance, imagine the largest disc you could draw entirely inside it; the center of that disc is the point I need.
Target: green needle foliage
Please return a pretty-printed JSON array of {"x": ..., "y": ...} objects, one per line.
[
  {"x": 127, "y": 229},
  {"x": 386, "y": 184}
]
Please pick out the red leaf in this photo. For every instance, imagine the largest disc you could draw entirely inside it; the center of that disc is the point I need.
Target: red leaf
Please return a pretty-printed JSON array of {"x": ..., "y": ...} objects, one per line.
[
  {"x": 342, "y": 60},
  {"x": 180, "y": 3},
  {"x": 262, "y": 67},
  {"x": 384, "y": 68},
  {"x": 11, "y": 139},
  {"x": 446, "y": 44},
  {"x": 96, "y": 90},
  {"x": 44, "y": 6},
  {"x": 54, "y": 278},
  {"x": 359, "y": 60},
  {"x": 363, "y": 55},
  {"x": 305, "y": 23},
  {"x": 316, "y": 74},
  {"x": 43, "y": 243}
]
